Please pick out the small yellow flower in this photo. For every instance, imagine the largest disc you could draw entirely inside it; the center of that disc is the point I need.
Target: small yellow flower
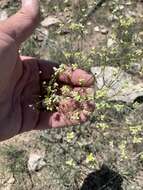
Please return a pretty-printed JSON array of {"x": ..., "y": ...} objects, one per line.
[
  {"x": 126, "y": 22},
  {"x": 74, "y": 66},
  {"x": 70, "y": 162},
  {"x": 137, "y": 140},
  {"x": 81, "y": 81},
  {"x": 118, "y": 107},
  {"x": 101, "y": 93},
  {"x": 135, "y": 129},
  {"x": 123, "y": 151},
  {"x": 102, "y": 126},
  {"x": 70, "y": 136},
  {"x": 90, "y": 158}
]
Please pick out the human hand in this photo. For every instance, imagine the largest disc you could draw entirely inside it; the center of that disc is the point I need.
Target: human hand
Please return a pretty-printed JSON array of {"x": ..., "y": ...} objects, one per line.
[{"x": 20, "y": 79}]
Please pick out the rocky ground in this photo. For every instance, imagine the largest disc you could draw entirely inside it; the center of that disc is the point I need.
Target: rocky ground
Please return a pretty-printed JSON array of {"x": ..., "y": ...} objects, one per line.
[{"x": 106, "y": 153}]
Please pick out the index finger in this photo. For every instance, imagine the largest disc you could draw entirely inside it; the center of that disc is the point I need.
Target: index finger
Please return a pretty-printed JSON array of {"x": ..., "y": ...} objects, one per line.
[{"x": 77, "y": 77}]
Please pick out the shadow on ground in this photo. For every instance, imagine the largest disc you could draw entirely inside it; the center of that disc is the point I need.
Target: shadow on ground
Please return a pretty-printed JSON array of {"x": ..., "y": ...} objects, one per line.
[{"x": 103, "y": 179}]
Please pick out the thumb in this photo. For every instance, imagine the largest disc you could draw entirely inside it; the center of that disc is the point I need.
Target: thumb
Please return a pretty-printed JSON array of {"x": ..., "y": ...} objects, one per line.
[
  {"x": 32, "y": 6},
  {"x": 21, "y": 25}
]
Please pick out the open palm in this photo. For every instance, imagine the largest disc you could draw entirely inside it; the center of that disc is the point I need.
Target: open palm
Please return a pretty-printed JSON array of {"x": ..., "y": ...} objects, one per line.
[{"x": 20, "y": 80}]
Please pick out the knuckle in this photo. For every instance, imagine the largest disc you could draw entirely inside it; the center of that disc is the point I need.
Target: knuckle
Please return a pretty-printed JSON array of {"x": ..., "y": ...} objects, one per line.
[
  {"x": 6, "y": 42},
  {"x": 30, "y": 16}
]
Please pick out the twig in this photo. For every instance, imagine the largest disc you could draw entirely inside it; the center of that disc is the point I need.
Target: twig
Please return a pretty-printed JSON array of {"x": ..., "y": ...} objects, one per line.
[{"x": 93, "y": 9}]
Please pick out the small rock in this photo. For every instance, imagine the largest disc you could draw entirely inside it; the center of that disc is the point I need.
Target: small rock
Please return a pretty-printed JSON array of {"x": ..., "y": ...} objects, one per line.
[
  {"x": 141, "y": 34},
  {"x": 11, "y": 180},
  {"x": 112, "y": 18},
  {"x": 110, "y": 42},
  {"x": 104, "y": 31},
  {"x": 3, "y": 15},
  {"x": 8, "y": 183},
  {"x": 121, "y": 7},
  {"x": 36, "y": 162},
  {"x": 131, "y": 14},
  {"x": 120, "y": 85},
  {"x": 97, "y": 29},
  {"x": 140, "y": 178},
  {"x": 50, "y": 21},
  {"x": 128, "y": 3},
  {"x": 135, "y": 68}
]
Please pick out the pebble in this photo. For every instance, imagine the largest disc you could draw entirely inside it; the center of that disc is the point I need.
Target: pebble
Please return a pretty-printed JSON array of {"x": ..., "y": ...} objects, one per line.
[
  {"x": 97, "y": 29},
  {"x": 3, "y": 15},
  {"x": 50, "y": 21},
  {"x": 104, "y": 31},
  {"x": 36, "y": 162}
]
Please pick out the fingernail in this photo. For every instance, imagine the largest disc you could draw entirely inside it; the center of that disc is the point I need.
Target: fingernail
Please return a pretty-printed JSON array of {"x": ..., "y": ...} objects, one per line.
[{"x": 33, "y": 3}]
